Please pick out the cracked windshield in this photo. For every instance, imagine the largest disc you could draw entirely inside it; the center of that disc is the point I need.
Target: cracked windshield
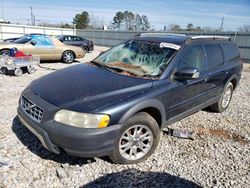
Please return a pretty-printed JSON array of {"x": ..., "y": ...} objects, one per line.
[{"x": 138, "y": 58}]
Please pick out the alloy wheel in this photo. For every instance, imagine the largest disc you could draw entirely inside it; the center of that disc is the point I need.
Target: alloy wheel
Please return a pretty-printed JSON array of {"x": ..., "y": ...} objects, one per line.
[
  {"x": 226, "y": 97},
  {"x": 136, "y": 142},
  {"x": 68, "y": 57}
]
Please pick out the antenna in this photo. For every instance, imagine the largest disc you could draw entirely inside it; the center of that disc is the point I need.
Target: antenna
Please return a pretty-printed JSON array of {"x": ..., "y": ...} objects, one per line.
[
  {"x": 32, "y": 17},
  {"x": 221, "y": 25}
]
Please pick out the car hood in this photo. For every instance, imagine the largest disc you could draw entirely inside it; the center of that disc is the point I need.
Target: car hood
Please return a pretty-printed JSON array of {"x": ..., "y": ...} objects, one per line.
[{"x": 86, "y": 88}]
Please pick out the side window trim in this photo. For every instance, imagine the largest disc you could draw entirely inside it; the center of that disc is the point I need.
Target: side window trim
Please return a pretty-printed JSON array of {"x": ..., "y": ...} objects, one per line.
[
  {"x": 223, "y": 53},
  {"x": 205, "y": 56}
]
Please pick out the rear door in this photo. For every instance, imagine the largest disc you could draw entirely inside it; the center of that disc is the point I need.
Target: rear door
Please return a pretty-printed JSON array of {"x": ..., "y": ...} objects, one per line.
[
  {"x": 76, "y": 41},
  {"x": 233, "y": 63},
  {"x": 187, "y": 94},
  {"x": 67, "y": 40},
  {"x": 216, "y": 70}
]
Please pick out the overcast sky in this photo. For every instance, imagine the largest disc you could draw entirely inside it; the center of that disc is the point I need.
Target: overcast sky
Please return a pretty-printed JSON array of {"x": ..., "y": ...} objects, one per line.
[{"x": 160, "y": 12}]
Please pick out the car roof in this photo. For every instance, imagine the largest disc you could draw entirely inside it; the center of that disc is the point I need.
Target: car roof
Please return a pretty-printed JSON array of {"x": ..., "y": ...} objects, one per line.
[
  {"x": 68, "y": 36},
  {"x": 180, "y": 39},
  {"x": 35, "y": 34}
]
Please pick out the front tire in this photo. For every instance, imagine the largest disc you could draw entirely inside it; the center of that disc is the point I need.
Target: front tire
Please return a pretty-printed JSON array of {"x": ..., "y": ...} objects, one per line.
[
  {"x": 85, "y": 48},
  {"x": 68, "y": 57},
  {"x": 31, "y": 70},
  {"x": 137, "y": 140},
  {"x": 224, "y": 100}
]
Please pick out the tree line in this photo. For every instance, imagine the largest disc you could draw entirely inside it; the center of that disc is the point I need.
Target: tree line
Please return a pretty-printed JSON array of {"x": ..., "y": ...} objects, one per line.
[
  {"x": 130, "y": 21},
  {"x": 121, "y": 21}
]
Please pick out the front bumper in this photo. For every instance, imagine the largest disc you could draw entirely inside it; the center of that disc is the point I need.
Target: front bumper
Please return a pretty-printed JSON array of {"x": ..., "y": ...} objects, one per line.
[{"x": 74, "y": 141}]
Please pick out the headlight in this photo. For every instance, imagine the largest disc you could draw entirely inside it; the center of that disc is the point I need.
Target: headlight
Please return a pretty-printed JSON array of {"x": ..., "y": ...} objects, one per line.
[{"x": 82, "y": 120}]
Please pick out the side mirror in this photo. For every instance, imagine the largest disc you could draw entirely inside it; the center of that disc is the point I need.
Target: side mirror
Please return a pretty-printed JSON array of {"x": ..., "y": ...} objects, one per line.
[
  {"x": 187, "y": 74},
  {"x": 33, "y": 43}
]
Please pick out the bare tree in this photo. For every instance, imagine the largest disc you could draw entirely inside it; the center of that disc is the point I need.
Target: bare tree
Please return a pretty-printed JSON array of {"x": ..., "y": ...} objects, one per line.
[
  {"x": 244, "y": 28},
  {"x": 174, "y": 27},
  {"x": 145, "y": 23},
  {"x": 96, "y": 22},
  {"x": 190, "y": 26},
  {"x": 60, "y": 25}
]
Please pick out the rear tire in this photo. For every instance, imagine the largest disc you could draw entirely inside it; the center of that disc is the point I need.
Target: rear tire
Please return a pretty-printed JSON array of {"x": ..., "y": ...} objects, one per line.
[
  {"x": 224, "y": 100},
  {"x": 137, "y": 140},
  {"x": 68, "y": 57},
  {"x": 18, "y": 72},
  {"x": 4, "y": 70}
]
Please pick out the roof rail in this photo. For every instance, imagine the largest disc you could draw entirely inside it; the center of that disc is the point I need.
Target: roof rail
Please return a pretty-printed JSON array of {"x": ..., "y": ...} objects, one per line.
[
  {"x": 173, "y": 34},
  {"x": 210, "y": 37}
]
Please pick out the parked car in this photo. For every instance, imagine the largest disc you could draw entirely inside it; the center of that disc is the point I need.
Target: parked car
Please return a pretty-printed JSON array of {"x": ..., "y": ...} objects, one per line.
[
  {"x": 11, "y": 39},
  {"x": 85, "y": 44},
  {"x": 15, "y": 38},
  {"x": 117, "y": 104},
  {"x": 48, "y": 48}
]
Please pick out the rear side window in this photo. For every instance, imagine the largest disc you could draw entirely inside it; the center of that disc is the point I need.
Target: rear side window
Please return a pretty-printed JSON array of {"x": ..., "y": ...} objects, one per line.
[
  {"x": 193, "y": 58},
  {"x": 68, "y": 38},
  {"x": 214, "y": 56},
  {"x": 231, "y": 52}
]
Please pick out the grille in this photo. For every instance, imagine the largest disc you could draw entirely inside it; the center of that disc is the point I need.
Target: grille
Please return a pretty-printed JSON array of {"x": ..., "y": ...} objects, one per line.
[{"x": 32, "y": 110}]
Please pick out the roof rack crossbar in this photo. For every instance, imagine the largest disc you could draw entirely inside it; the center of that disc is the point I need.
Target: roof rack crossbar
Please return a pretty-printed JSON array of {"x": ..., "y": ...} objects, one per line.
[
  {"x": 210, "y": 37},
  {"x": 174, "y": 34}
]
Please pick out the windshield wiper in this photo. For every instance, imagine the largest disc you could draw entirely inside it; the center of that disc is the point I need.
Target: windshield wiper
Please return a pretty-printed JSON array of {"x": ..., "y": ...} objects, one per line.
[
  {"x": 111, "y": 68},
  {"x": 118, "y": 69},
  {"x": 100, "y": 65}
]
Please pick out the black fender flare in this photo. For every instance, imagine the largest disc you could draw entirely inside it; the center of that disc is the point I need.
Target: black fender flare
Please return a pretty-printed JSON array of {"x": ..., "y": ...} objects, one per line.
[
  {"x": 232, "y": 77},
  {"x": 151, "y": 103}
]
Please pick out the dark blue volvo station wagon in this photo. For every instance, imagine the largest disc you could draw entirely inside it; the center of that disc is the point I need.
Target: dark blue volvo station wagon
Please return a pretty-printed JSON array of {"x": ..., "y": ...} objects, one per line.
[{"x": 117, "y": 104}]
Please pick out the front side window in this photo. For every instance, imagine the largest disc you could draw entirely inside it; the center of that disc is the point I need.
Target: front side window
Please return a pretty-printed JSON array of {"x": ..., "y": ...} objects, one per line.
[
  {"x": 140, "y": 58},
  {"x": 214, "y": 56},
  {"x": 193, "y": 58},
  {"x": 68, "y": 38},
  {"x": 42, "y": 41}
]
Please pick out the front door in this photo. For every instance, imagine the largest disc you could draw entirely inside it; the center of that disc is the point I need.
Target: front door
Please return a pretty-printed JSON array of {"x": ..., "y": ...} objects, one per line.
[
  {"x": 187, "y": 94},
  {"x": 42, "y": 46}
]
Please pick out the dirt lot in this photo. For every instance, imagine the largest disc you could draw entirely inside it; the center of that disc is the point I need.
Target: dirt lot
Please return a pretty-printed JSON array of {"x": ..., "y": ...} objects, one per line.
[{"x": 219, "y": 155}]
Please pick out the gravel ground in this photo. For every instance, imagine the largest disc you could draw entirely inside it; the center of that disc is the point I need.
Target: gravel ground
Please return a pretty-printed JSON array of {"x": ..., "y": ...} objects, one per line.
[{"x": 217, "y": 157}]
